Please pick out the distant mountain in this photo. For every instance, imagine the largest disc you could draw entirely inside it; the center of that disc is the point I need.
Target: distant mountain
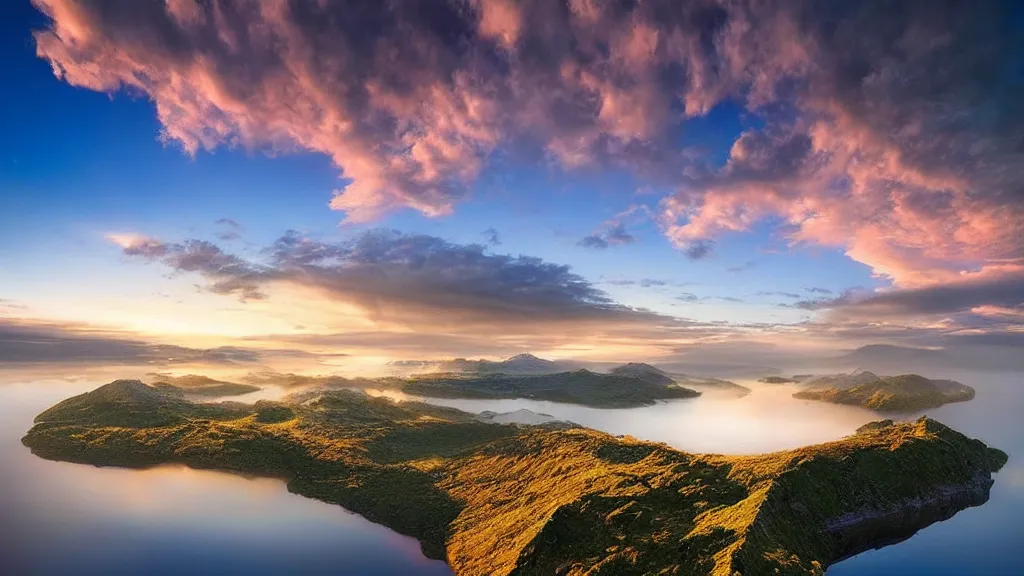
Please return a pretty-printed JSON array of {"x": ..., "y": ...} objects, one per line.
[
  {"x": 644, "y": 372},
  {"x": 518, "y": 364},
  {"x": 776, "y": 380},
  {"x": 841, "y": 381},
  {"x": 575, "y": 387},
  {"x": 886, "y": 357},
  {"x": 521, "y": 416}
]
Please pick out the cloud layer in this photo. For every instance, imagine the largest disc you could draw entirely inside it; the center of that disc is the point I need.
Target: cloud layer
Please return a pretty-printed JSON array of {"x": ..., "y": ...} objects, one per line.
[
  {"x": 410, "y": 279},
  {"x": 35, "y": 343},
  {"x": 889, "y": 130}
]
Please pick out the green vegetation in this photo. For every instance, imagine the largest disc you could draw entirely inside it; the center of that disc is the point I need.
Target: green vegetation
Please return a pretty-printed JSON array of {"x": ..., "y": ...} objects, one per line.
[
  {"x": 577, "y": 387},
  {"x": 204, "y": 386},
  {"x": 776, "y": 380},
  {"x": 643, "y": 372},
  {"x": 550, "y": 499},
  {"x": 903, "y": 393}
]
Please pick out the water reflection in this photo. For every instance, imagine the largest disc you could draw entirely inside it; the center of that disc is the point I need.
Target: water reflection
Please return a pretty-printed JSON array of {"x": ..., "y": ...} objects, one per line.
[
  {"x": 986, "y": 540},
  {"x": 766, "y": 420},
  {"x": 60, "y": 518}
]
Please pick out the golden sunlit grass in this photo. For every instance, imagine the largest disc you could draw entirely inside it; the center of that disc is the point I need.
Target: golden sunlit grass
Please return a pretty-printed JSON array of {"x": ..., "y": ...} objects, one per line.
[{"x": 550, "y": 499}]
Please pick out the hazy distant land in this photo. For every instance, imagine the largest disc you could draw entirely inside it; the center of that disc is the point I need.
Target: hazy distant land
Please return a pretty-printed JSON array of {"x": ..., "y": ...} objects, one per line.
[
  {"x": 526, "y": 376},
  {"x": 540, "y": 499}
]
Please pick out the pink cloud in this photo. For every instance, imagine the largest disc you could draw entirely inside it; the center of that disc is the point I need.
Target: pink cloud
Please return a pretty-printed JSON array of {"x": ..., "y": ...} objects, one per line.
[{"x": 895, "y": 139}]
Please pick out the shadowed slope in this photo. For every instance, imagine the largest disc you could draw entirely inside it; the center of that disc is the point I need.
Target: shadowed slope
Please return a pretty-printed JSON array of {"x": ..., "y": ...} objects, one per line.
[{"x": 549, "y": 499}]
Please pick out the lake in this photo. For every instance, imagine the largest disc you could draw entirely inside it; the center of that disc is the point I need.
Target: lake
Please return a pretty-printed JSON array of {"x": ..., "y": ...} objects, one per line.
[{"x": 61, "y": 518}]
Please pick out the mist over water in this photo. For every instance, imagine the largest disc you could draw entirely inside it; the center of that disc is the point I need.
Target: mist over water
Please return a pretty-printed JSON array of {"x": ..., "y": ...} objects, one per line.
[
  {"x": 60, "y": 518},
  {"x": 766, "y": 420}
]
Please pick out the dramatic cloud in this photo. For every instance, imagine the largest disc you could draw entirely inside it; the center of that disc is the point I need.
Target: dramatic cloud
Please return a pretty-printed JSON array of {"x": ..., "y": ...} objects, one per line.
[
  {"x": 889, "y": 130},
  {"x": 894, "y": 137},
  {"x": 407, "y": 279},
  {"x": 995, "y": 294}
]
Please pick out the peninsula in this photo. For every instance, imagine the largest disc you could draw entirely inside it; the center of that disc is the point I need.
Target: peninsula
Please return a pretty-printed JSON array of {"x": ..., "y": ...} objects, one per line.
[{"x": 500, "y": 499}]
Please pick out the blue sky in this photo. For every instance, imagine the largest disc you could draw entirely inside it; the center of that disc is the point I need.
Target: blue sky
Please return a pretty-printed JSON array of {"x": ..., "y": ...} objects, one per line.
[{"x": 78, "y": 165}]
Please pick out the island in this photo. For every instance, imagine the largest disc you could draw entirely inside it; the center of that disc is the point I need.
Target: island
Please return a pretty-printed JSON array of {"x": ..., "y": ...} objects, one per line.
[
  {"x": 500, "y": 499},
  {"x": 576, "y": 387},
  {"x": 198, "y": 385},
  {"x": 777, "y": 380},
  {"x": 902, "y": 393},
  {"x": 658, "y": 376}
]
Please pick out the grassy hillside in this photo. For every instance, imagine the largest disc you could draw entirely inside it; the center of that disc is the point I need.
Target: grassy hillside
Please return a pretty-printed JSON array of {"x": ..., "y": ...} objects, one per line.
[
  {"x": 644, "y": 372},
  {"x": 577, "y": 387},
  {"x": 205, "y": 386},
  {"x": 903, "y": 393},
  {"x": 538, "y": 500}
]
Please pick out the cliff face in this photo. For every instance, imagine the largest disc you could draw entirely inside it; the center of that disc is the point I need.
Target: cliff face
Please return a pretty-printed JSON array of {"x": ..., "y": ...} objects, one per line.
[{"x": 501, "y": 499}]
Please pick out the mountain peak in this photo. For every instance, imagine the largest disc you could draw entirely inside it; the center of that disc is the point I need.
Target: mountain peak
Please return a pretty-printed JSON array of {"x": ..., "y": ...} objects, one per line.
[
  {"x": 643, "y": 371},
  {"x": 525, "y": 357}
]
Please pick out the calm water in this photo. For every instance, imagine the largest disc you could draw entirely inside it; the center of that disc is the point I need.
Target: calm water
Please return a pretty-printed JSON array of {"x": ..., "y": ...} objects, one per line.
[{"x": 59, "y": 518}]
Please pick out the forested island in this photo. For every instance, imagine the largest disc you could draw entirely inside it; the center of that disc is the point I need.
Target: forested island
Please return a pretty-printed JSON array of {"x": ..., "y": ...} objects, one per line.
[
  {"x": 902, "y": 393},
  {"x": 551, "y": 498}
]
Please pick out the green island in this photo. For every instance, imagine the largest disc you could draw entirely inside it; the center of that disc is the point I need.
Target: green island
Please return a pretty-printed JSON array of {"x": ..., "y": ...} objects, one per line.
[
  {"x": 196, "y": 385},
  {"x": 777, "y": 380},
  {"x": 502, "y": 499},
  {"x": 613, "y": 390},
  {"x": 902, "y": 393}
]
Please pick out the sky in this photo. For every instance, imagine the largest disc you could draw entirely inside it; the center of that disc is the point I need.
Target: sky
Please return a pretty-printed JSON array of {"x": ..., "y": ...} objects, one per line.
[{"x": 334, "y": 185}]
